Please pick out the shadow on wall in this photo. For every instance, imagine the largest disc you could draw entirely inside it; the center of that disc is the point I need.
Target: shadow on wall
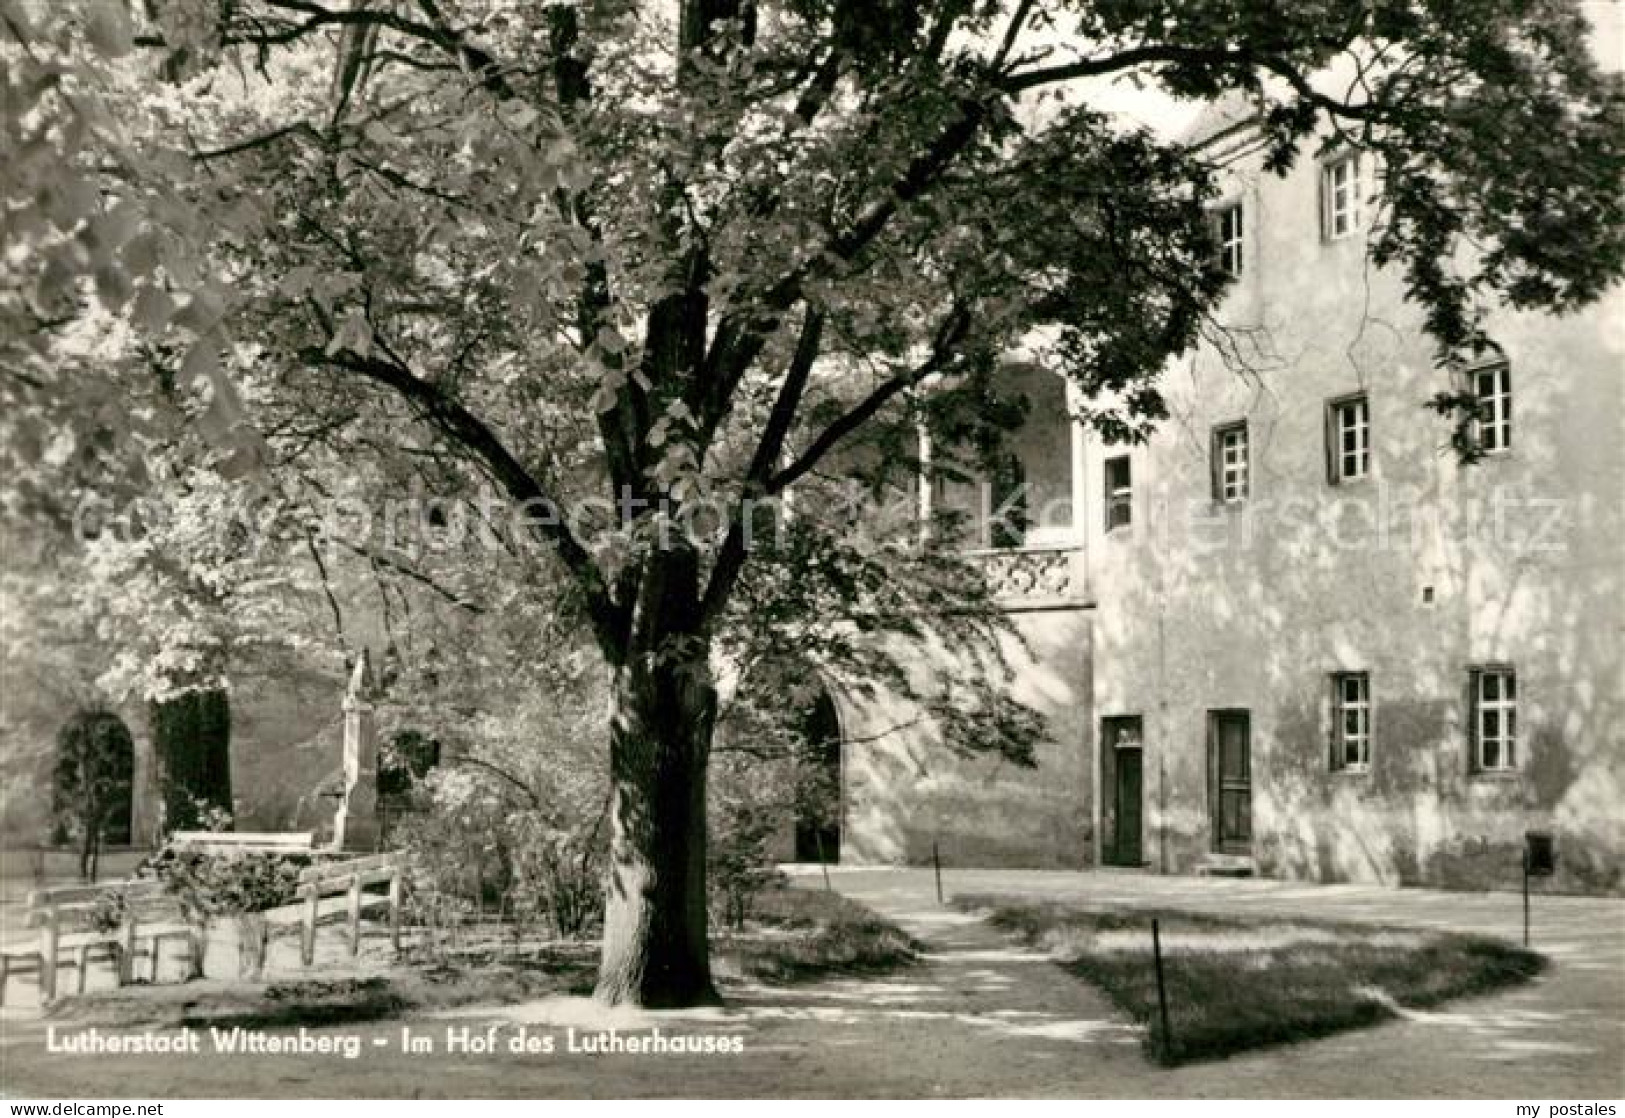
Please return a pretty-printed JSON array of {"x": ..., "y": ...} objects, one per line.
[
  {"x": 287, "y": 739},
  {"x": 904, "y": 791},
  {"x": 1414, "y": 576}
]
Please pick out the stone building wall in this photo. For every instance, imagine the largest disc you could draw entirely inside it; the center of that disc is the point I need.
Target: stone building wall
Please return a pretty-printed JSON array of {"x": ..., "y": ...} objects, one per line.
[
  {"x": 903, "y": 791},
  {"x": 1413, "y": 575}
]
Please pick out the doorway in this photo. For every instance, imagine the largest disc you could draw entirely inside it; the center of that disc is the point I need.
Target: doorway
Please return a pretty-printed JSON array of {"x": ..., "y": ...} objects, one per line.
[
  {"x": 818, "y": 784},
  {"x": 1123, "y": 779},
  {"x": 1230, "y": 767}
]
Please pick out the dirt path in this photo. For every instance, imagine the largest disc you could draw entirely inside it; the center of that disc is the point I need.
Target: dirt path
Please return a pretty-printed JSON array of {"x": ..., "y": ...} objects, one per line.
[{"x": 978, "y": 1017}]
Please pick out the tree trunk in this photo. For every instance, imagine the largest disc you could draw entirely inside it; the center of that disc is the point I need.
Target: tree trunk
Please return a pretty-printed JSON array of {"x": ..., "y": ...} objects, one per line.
[{"x": 655, "y": 951}]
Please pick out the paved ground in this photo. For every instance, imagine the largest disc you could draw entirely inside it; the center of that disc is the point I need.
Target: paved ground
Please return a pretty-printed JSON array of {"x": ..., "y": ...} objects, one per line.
[{"x": 978, "y": 1018}]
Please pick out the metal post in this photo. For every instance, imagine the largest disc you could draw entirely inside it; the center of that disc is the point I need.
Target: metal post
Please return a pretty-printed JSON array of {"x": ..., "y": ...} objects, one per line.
[
  {"x": 1162, "y": 987},
  {"x": 936, "y": 864}
]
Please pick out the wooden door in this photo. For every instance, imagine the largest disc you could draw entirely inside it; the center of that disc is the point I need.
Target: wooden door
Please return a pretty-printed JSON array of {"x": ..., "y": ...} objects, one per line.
[
  {"x": 1124, "y": 784},
  {"x": 1230, "y": 761},
  {"x": 1129, "y": 800}
]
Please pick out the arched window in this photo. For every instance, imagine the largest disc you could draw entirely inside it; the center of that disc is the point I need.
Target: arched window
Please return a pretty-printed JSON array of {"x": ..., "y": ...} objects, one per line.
[{"x": 1024, "y": 496}]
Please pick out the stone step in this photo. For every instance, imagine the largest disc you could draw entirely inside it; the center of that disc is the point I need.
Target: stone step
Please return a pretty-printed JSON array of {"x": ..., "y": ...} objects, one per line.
[{"x": 1227, "y": 865}]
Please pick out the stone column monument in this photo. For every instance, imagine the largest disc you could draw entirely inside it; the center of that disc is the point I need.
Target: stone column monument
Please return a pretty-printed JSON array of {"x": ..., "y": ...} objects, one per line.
[{"x": 355, "y": 827}]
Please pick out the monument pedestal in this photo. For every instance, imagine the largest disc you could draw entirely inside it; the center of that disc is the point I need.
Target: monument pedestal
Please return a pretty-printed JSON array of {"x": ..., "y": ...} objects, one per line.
[{"x": 355, "y": 827}]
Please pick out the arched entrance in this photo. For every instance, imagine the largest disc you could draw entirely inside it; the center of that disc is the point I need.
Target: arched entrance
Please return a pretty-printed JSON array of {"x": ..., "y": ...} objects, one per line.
[
  {"x": 93, "y": 785},
  {"x": 818, "y": 782},
  {"x": 408, "y": 758}
]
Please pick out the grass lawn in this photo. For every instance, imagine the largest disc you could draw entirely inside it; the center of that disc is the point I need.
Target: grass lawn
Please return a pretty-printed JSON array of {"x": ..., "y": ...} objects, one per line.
[
  {"x": 804, "y": 934},
  {"x": 1240, "y": 983},
  {"x": 795, "y": 935}
]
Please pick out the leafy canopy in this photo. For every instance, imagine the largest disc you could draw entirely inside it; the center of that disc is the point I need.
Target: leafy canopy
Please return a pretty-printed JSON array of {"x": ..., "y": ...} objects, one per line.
[{"x": 694, "y": 254}]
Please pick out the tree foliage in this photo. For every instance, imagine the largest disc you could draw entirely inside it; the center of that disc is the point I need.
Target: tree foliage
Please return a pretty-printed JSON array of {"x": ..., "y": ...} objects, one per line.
[{"x": 627, "y": 265}]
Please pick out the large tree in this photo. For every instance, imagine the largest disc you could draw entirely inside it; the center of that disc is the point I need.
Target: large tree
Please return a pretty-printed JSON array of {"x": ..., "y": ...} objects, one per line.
[{"x": 688, "y": 255}]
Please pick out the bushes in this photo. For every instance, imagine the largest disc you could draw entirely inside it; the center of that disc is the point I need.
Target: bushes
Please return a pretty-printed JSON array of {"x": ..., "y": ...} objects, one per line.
[
  {"x": 238, "y": 886},
  {"x": 191, "y": 747},
  {"x": 558, "y": 873},
  {"x": 483, "y": 841},
  {"x": 747, "y": 812}
]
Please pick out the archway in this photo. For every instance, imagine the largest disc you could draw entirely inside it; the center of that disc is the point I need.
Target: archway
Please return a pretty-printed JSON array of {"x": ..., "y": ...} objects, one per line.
[
  {"x": 819, "y": 796},
  {"x": 406, "y": 760},
  {"x": 93, "y": 785},
  {"x": 1023, "y": 492},
  {"x": 410, "y": 756}
]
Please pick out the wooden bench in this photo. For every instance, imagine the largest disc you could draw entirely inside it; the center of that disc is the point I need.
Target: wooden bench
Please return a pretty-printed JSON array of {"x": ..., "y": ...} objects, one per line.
[
  {"x": 64, "y": 916},
  {"x": 245, "y": 842},
  {"x": 350, "y": 877}
]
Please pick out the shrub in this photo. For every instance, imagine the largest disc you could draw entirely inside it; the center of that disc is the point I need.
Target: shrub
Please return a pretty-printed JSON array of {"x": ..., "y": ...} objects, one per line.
[
  {"x": 238, "y": 885},
  {"x": 747, "y": 812},
  {"x": 191, "y": 747},
  {"x": 558, "y": 873},
  {"x": 457, "y": 845},
  {"x": 481, "y": 838}
]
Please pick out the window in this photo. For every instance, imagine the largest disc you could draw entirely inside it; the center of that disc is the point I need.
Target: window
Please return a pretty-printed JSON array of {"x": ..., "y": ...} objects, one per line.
[
  {"x": 1351, "y": 722},
  {"x": 1494, "y": 725},
  {"x": 1230, "y": 234},
  {"x": 1493, "y": 389},
  {"x": 1340, "y": 198},
  {"x": 1119, "y": 493},
  {"x": 1019, "y": 492},
  {"x": 1230, "y": 463},
  {"x": 1007, "y": 519},
  {"x": 1348, "y": 439}
]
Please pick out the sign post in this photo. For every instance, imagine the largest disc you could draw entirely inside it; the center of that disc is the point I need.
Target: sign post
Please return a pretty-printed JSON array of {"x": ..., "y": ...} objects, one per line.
[{"x": 1539, "y": 860}]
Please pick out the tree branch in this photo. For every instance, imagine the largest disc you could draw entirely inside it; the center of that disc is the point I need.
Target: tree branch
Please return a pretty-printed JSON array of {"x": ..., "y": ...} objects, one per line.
[
  {"x": 299, "y": 128},
  {"x": 739, "y": 340},
  {"x": 949, "y": 335},
  {"x": 1136, "y": 57},
  {"x": 413, "y": 574},
  {"x": 1018, "y": 21},
  {"x": 500, "y": 772},
  {"x": 731, "y": 554},
  {"x": 464, "y": 428},
  {"x": 327, "y": 590}
]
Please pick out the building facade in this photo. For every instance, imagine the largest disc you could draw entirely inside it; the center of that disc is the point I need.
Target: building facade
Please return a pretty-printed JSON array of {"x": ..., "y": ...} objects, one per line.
[{"x": 1294, "y": 634}]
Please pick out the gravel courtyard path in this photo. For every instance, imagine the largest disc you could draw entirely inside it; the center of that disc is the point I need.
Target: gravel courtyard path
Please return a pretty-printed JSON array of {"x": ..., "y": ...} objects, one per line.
[
  {"x": 1561, "y": 1036},
  {"x": 978, "y": 1017}
]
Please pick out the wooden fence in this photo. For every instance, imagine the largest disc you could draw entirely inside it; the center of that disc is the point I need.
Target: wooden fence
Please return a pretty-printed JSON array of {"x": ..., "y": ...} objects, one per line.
[
  {"x": 71, "y": 918},
  {"x": 350, "y": 878},
  {"x": 67, "y": 917}
]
